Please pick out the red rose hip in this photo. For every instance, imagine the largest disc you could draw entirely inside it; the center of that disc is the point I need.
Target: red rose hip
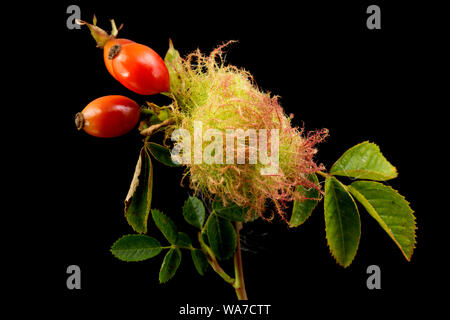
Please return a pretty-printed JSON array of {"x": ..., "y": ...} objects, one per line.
[
  {"x": 136, "y": 66},
  {"x": 108, "y": 116}
]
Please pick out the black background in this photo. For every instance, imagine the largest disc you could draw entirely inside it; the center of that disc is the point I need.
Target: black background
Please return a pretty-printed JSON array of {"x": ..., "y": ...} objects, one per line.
[{"x": 330, "y": 71}]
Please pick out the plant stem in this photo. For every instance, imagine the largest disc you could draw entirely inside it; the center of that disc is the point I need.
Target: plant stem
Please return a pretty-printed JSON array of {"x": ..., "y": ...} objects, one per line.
[
  {"x": 150, "y": 130},
  {"x": 214, "y": 263},
  {"x": 323, "y": 174},
  {"x": 239, "y": 283},
  {"x": 218, "y": 269}
]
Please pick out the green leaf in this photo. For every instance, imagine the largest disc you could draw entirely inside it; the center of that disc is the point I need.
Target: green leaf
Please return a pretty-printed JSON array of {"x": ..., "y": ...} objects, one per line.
[
  {"x": 161, "y": 153},
  {"x": 170, "y": 265},
  {"x": 194, "y": 212},
  {"x": 200, "y": 262},
  {"x": 172, "y": 54},
  {"x": 136, "y": 247},
  {"x": 165, "y": 225},
  {"x": 139, "y": 198},
  {"x": 342, "y": 223},
  {"x": 364, "y": 161},
  {"x": 184, "y": 240},
  {"x": 231, "y": 212},
  {"x": 163, "y": 115},
  {"x": 173, "y": 63},
  {"x": 390, "y": 210},
  {"x": 154, "y": 120},
  {"x": 303, "y": 209},
  {"x": 221, "y": 236}
]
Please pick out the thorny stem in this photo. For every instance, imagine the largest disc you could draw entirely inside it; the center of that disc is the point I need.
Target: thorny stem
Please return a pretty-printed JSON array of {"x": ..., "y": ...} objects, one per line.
[{"x": 239, "y": 284}]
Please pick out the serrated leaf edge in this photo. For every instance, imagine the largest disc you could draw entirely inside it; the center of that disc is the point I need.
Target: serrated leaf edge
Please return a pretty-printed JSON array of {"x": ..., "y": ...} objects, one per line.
[
  {"x": 383, "y": 177},
  {"x": 170, "y": 219},
  {"x": 127, "y": 235},
  {"x": 220, "y": 214},
  {"x": 352, "y": 189},
  {"x": 317, "y": 200},
  {"x": 359, "y": 238},
  {"x": 200, "y": 272},
  {"x": 342, "y": 173},
  {"x": 207, "y": 233},
  {"x": 164, "y": 261},
  {"x": 204, "y": 216}
]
